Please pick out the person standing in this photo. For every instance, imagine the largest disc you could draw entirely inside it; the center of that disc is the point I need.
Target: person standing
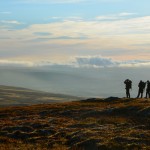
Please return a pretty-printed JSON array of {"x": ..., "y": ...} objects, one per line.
[
  {"x": 148, "y": 89},
  {"x": 128, "y": 86},
  {"x": 141, "y": 88}
]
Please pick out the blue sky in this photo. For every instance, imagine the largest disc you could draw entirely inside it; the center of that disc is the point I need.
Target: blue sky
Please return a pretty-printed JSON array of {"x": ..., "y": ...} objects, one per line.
[
  {"x": 37, "y": 11},
  {"x": 61, "y": 30}
]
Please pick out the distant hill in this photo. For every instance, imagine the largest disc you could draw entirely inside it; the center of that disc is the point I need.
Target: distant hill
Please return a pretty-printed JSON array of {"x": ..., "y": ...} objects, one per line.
[{"x": 14, "y": 96}]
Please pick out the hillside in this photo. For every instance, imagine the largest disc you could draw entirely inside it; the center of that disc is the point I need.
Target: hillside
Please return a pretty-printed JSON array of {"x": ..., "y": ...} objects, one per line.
[
  {"x": 92, "y": 124},
  {"x": 14, "y": 96}
]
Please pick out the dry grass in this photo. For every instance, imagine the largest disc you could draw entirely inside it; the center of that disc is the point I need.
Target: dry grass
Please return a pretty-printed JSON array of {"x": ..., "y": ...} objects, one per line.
[{"x": 83, "y": 125}]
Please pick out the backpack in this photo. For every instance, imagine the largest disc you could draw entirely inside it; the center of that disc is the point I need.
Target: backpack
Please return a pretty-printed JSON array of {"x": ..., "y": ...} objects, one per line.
[
  {"x": 130, "y": 84},
  {"x": 143, "y": 85}
]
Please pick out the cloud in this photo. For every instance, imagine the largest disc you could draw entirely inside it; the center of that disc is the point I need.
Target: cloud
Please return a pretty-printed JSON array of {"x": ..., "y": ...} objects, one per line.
[
  {"x": 10, "y": 22},
  {"x": 70, "y": 37},
  {"x": 119, "y": 16},
  {"x": 96, "y": 61},
  {"x": 5, "y": 12},
  {"x": 99, "y": 61},
  {"x": 127, "y": 14},
  {"x": 89, "y": 28},
  {"x": 16, "y": 63},
  {"x": 62, "y": 19},
  {"x": 52, "y": 1},
  {"x": 81, "y": 61},
  {"x": 42, "y": 33},
  {"x": 68, "y": 1}
]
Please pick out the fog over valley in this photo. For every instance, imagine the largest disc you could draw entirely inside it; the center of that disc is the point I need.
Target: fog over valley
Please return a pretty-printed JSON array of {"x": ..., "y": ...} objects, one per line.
[{"x": 75, "y": 79}]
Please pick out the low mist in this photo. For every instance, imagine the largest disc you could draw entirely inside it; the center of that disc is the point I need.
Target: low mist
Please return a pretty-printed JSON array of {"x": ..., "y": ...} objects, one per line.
[{"x": 76, "y": 81}]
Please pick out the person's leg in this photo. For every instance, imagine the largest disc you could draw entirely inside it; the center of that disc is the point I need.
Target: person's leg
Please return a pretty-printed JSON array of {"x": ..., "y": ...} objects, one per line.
[
  {"x": 146, "y": 94},
  {"x": 149, "y": 94},
  {"x": 138, "y": 94},
  {"x": 127, "y": 92},
  {"x": 141, "y": 94}
]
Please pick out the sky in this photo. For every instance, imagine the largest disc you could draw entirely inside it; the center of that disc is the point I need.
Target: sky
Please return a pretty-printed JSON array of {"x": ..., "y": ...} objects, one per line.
[
  {"x": 75, "y": 47},
  {"x": 60, "y": 31}
]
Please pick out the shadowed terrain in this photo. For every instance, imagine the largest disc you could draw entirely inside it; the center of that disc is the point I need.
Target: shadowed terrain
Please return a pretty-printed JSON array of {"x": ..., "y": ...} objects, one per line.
[
  {"x": 92, "y": 124},
  {"x": 14, "y": 96}
]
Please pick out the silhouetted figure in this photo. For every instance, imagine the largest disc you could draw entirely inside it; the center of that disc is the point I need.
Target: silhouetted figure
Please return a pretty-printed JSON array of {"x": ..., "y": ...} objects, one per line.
[
  {"x": 128, "y": 86},
  {"x": 148, "y": 89},
  {"x": 141, "y": 88}
]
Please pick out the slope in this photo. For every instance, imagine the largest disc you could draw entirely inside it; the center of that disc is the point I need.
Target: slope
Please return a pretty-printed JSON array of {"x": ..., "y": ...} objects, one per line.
[{"x": 13, "y": 96}]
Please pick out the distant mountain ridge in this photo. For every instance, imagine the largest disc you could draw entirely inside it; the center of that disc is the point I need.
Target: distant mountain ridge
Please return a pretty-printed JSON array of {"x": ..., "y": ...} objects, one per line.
[{"x": 17, "y": 96}]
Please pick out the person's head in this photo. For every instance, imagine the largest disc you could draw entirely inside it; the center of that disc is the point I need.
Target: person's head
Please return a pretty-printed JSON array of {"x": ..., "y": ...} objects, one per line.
[{"x": 147, "y": 81}]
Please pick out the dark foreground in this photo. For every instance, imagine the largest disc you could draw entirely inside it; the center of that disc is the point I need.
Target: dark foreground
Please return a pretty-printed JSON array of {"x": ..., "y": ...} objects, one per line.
[{"x": 93, "y": 124}]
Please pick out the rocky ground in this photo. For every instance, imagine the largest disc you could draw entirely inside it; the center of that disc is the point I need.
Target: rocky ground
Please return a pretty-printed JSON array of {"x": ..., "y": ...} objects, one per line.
[{"x": 92, "y": 124}]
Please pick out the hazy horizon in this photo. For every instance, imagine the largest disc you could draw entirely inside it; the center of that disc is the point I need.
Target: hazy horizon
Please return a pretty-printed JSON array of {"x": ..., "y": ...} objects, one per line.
[{"x": 76, "y": 81}]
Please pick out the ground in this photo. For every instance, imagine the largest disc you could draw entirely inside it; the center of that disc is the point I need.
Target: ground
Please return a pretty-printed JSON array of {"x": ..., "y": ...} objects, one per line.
[{"x": 91, "y": 124}]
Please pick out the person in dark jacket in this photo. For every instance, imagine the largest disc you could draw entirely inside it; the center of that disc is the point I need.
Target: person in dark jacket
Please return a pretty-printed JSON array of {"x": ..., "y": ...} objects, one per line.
[
  {"x": 128, "y": 86},
  {"x": 141, "y": 88},
  {"x": 148, "y": 89}
]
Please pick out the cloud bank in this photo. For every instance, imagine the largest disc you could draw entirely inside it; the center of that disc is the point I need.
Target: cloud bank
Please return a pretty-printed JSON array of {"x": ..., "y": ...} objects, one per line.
[
  {"x": 99, "y": 61},
  {"x": 81, "y": 61}
]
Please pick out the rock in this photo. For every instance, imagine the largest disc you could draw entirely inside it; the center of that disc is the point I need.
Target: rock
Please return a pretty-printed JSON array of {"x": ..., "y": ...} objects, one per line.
[
  {"x": 45, "y": 132},
  {"x": 92, "y": 100},
  {"x": 67, "y": 113},
  {"x": 44, "y": 113},
  {"x": 112, "y": 99},
  {"x": 18, "y": 135},
  {"x": 144, "y": 112},
  {"x": 82, "y": 125},
  {"x": 39, "y": 126},
  {"x": 91, "y": 113},
  {"x": 19, "y": 128},
  {"x": 89, "y": 144}
]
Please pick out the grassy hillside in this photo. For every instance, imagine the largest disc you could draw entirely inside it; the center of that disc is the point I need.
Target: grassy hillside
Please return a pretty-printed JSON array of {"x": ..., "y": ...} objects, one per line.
[
  {"x": 13, "y": 96},
  {"x": 93, "y": 124}
]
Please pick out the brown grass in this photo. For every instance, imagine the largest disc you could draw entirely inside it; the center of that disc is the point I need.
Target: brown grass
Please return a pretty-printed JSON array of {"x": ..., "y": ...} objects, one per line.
[{"x": 118, "y": 124}]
